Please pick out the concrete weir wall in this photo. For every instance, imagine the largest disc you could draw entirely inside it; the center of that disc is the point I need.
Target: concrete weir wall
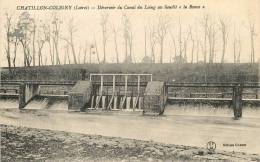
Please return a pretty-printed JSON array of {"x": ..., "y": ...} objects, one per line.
[
  {"x": 80, "y": 95},
  {"x": 154, "y": 98},
  {"x": 27, "y": 93}
]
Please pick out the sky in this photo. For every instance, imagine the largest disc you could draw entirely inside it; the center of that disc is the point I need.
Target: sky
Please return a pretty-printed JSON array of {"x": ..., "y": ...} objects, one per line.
[{"x": 87, "y": 22}]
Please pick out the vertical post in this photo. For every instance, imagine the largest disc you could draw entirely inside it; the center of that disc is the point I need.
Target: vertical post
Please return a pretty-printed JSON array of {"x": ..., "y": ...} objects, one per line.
[
  {"x": 151, "y": 77},
  {"x": 114, "y": 84},
  {"x": 83, "y": 74},
  {"x": 237, "y": 101},
  {"x": 22, "y": 101},
  {"x": 138, "y": 85},
  {"x": 101, "y": 85},
  {"x": 90, "y": 77},
  {"x": 126, "y": 84}
]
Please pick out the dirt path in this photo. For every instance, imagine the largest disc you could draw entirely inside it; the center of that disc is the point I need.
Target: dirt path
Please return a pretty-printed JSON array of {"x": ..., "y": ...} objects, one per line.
[{"x": 30, "y": 144}]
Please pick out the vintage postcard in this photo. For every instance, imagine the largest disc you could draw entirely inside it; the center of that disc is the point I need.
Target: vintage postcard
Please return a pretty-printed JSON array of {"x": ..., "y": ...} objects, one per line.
[{"x": 129, "y": 80}]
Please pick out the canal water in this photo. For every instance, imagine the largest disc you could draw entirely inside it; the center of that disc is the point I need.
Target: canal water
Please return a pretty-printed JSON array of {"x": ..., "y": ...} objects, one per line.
[
  {"x": 181, "y": 125},
  {"x": 171, "y": 110}
]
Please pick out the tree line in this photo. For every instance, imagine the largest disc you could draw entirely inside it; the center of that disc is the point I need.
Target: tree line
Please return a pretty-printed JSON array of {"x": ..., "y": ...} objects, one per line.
[{"x": 32, "y": 36}]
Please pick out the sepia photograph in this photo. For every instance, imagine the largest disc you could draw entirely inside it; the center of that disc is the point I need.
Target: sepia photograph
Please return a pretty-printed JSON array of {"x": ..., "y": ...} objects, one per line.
[{"x": 129, "y": 80}]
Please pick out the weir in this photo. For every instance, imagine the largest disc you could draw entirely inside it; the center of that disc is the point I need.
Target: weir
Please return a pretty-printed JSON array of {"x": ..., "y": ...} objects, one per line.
[
  {"x": 26, "y": 93},
  {"x": 132, "y": 92}
]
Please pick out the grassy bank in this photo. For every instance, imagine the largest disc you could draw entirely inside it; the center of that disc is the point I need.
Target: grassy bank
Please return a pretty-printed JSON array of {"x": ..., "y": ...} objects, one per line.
[{"x": 188, "y": 72}]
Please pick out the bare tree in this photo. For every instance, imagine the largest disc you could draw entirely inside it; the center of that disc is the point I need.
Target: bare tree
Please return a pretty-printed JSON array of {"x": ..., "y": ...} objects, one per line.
[
  {"x": 130, "y": 42},
  {"x": 145, "y": 31},
  {"x": 223, "y": 29},
  {"x": 42, "y": 37},
  {"x": 193, "y": 43},
  {"x": 67, "y": 54},
  {"x": 239, "y": 48},
  {"x": 103, "y": 23},
  {"x": 152, "y": 37},
  {"x": 115, "y": 31},
  {"x": 85, "y": 52},
  {"x": 33, "y": 41},
  {"x": 205, "y": 27},
  {"x": 180, "y": 38},
  {"x": 236, "y": 46},
  {"x": 185, "y": 47},
  {"x": 48, "y": 39},
  {"x": 70, "y": 40},
  {"x": 252, "y": 36},
  {"x": 15, "y": 41},
  {"x": 97, "y": 52},
  {"x": 163, "y": 24},
  {"x": 79, "y": 52},
  {"x": 175, "y": 48},
  {"x": 128, "y": 37},
  {"x": 8, "y": 41},
  {"x": 56, "y": 23},
  {"x": 125, "y": 22},
  {"x": 211, "y": 33},
  {"x": 24, "y": 27},
  {"x": 198, "y": 43}
]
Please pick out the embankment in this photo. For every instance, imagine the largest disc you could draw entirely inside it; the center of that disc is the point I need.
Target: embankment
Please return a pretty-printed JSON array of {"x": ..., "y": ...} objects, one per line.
[
  {"x": 217, "y": 72},
  {"x": 30, "y": 144}
]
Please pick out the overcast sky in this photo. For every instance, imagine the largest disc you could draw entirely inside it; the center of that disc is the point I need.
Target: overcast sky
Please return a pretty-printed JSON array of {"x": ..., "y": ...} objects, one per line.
[{"x": 236, "y": 13}]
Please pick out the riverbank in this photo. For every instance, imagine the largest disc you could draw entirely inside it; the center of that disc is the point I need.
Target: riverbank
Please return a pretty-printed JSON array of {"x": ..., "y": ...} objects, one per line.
[
  {"x": 30, "y": 144},
  {"x": 186, "y": 72}
]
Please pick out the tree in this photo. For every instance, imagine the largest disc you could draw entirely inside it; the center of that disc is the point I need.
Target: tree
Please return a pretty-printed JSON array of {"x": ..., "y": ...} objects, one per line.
[
  {"x": 8, "y": 41},
  {"x": 130, "y": 42},
  {"x": 175, "y": 48},
  {"x": 56, "y": 23},
  {"x": 70, "y": 40},
  {"x": 15, "y": 41},
  {"x": 128, "y": 37},
  {"x": 103, "y": 23},
  {"x": 193, "y": 43},
  {"x": 180, "y": 39},
  {"x": 145, "y": 31},
  {"x": 211, "y": 33},
  {"x": 162, "y": 28},
  {"x": 239, "y": 48},
  {"x": 24, "y": 27},
  {"x": 47, "y": 34},
  {"x": 205, "y": 27},
  {"x": 252, "y": 40},
  {"x": 236, "y": 46},
  {"x": 85, "y": 52},
  {"x": 33, "y": 41},
  {"x": 152, "y": 37},
  {"x": 223, "y": 28},
  {"x": 96, "y": 49},
  {"x": 42, "y": 37},
  {"x": 115, "y": 31}
]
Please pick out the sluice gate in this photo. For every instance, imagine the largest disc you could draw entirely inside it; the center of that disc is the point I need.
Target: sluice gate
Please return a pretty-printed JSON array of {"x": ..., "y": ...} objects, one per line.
[{"x": 118, "y": 91}]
